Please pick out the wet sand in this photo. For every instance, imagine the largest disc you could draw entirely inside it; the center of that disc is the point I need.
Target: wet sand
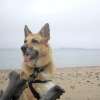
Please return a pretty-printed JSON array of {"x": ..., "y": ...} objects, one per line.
[{"x": 79, "y": 83}]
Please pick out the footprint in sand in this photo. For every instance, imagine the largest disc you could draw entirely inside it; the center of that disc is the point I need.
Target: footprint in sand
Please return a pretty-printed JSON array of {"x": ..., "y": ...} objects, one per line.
[
  {"x": 98, "y": 84},
  {"x": 72, "y": 87}
]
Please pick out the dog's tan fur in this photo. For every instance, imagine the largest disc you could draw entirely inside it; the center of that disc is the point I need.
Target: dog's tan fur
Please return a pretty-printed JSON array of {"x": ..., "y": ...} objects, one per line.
[{"x": 45, "y": 57}]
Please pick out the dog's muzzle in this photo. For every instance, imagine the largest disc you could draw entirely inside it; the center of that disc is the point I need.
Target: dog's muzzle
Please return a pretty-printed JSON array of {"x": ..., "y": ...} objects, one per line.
[{"x": 29, "y": 52}]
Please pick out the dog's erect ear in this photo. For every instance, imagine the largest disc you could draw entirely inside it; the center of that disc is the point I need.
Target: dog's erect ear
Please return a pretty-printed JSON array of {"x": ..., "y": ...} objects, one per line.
[
  {"x": 27, "y": 31},
  {"x": 45, "y": 32}
]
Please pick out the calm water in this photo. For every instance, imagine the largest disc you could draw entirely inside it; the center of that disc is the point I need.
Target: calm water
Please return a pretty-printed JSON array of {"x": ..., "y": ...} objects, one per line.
[{"x": 11, "y": 58}]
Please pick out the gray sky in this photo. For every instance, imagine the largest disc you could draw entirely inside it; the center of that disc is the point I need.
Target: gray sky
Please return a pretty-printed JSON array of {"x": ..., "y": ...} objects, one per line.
[{"x": 73, "y": 23}]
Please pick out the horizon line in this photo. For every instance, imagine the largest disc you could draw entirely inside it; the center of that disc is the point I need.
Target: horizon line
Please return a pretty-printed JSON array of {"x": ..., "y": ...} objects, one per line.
[{"x": 58, "y": 48}]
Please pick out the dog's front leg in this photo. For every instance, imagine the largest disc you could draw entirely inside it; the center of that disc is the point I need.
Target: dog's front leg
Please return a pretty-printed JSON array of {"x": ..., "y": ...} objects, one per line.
[
  {"x": 53, "y": 94},
  {"x": 14, "y": 88}
]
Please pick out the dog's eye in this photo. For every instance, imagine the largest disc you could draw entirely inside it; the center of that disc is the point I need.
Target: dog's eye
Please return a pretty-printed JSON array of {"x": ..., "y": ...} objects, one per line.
[
  {"x": 34, "y": 41},
  {"x": 25, "y": 41}
]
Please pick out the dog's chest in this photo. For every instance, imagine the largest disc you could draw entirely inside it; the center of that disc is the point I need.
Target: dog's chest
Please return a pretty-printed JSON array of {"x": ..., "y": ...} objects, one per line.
[{"x": 42, "y": 88}]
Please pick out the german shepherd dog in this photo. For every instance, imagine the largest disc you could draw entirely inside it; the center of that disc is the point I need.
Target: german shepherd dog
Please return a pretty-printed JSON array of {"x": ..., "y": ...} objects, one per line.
[{"x": 37, "y": 53}]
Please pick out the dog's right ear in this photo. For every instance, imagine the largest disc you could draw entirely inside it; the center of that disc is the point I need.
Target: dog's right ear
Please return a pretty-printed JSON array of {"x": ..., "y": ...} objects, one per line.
[
  {"x": 45, "y": 32},
  {"x": 27, "y": 31}
]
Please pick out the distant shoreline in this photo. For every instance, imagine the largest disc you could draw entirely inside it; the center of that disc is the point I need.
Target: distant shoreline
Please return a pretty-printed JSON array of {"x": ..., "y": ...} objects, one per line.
[
  {"x": 62, "y": 57},
  {"x": 60, "y": 48},
  {"x": 71, "y": 67}
]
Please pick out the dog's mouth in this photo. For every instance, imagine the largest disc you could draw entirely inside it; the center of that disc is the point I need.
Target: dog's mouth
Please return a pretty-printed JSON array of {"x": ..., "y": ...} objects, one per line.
[
  {"x": 29, "y": 54},
  {"x": 27, "y": 58}
]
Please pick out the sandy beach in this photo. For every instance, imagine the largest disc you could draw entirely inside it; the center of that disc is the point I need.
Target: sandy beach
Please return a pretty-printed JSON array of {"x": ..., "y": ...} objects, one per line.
[{"x": 79, "y": 83}]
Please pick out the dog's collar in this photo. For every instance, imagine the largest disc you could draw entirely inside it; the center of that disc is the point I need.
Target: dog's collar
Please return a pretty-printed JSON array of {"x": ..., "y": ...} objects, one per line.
[
  {"x": 38, "y": 69},
  {"x": 41, "y": 68}
]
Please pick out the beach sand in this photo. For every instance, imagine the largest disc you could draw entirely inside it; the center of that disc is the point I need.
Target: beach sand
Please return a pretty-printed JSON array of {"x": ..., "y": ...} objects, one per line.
[{"x": 79, "y": 83}]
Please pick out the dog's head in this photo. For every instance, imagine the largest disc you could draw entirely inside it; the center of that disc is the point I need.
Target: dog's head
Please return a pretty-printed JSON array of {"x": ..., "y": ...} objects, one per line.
[{"x": 35, "y": 46}]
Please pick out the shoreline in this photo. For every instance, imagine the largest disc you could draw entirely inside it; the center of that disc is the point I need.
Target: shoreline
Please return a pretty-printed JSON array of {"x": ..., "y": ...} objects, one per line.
[{"x": 67, "y": 67}]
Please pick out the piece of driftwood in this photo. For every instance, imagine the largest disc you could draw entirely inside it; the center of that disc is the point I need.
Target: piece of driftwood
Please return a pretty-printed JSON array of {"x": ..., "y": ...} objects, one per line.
[{"x": 16, "y": 87}]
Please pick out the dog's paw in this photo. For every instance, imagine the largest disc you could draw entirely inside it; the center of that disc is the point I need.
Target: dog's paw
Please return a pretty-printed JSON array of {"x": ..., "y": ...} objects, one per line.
[
  {"x": 14, "y": 75},
  {"x": 1, "y": 93},
  {"x": 58, "y": 91},
  {"x": 54, "y": 93}
]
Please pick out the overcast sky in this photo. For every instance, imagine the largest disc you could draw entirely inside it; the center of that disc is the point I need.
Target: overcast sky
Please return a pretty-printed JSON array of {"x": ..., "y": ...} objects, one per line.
[{"x": 73, "y": 23}]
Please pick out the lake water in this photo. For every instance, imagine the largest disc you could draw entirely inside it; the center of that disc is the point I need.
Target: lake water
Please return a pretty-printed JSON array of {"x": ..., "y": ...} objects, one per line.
[{"x": 12, "y": 58}]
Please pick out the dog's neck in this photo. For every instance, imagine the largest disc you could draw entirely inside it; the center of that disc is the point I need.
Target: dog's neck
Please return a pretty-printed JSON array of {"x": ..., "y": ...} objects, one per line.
[
  {"x": 37, "y": 66},
  {"x": 27, "y": 71},
  {"x": 43, "y": 61}
]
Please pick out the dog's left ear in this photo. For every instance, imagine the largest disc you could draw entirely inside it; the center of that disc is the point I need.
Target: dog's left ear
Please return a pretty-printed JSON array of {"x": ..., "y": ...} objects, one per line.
[
  {"x": 45, "y": 32},
  {"x": 27, "y": 31}
]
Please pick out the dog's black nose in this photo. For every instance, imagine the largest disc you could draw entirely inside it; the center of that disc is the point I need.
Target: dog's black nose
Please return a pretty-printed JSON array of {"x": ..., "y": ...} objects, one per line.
[{"x": 23, "y": 48}]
